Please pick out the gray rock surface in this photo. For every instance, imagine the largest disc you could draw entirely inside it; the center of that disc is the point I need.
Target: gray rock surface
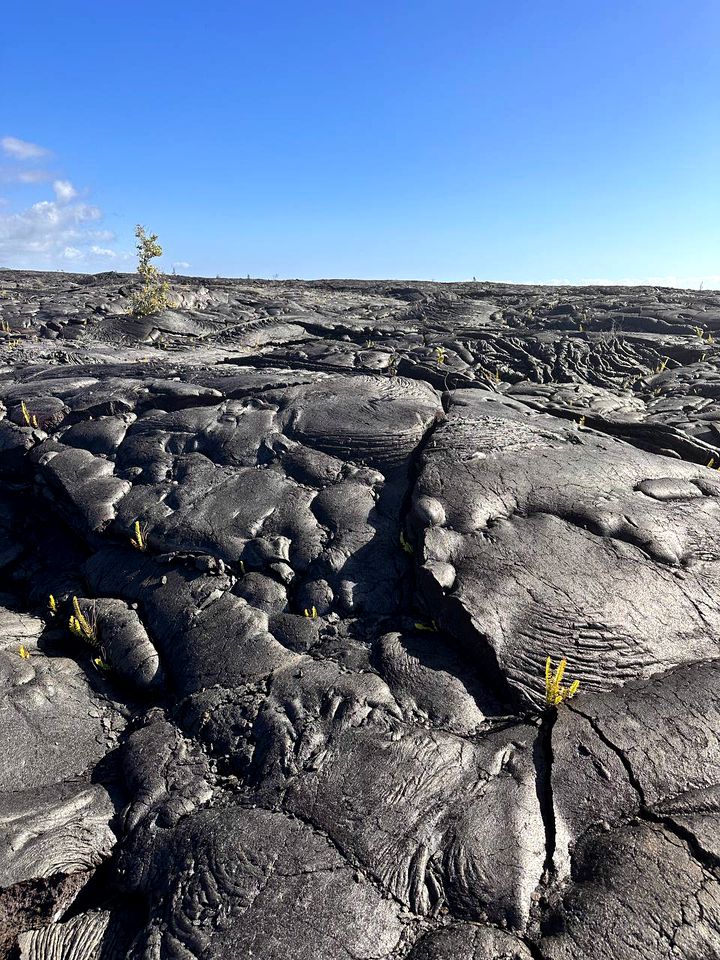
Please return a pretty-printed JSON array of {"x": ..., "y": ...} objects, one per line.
[{"x": 319, "y": 540}]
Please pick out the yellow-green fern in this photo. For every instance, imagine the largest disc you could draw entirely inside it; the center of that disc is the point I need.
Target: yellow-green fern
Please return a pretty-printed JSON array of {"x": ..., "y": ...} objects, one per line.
[
  {"x": 82, "y": 627},
  {"x": 139, "y": 541},
  {"x": 555, "y": 693},
  {"x": 30, "y": 419}
]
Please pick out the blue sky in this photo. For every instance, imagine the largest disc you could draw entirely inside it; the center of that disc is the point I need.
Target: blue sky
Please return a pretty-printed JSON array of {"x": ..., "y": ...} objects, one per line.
[{"x": 528, "y": 141}]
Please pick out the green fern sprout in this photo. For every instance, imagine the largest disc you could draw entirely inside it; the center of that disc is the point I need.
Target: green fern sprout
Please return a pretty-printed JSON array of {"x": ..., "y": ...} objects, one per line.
[
  {"x": 555, "y": 693},
  {"x": 82, "y": 627},
  {"x": 139, "y": 541},
  {"x": 30, "y": 419}
]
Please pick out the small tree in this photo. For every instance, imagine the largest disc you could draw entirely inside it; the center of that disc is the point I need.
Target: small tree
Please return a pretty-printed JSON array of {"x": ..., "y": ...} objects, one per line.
[{"x": 153, "y": 294}]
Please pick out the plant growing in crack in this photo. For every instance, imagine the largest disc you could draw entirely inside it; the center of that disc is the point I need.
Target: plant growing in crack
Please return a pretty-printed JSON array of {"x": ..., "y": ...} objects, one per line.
[
  {"x": 30, "y": 419},
  {"x": 407, "y": 547},
  {"x": 139, "y": 541},
  {"x": 83, "y": 627},
  {"x": 102, "y": 666},
  {"x": 555, "y": 693}
]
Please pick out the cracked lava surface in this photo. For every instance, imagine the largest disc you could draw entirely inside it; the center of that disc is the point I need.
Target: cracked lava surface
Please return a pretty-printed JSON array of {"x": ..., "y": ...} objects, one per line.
[{"x": 307, "y": 715}]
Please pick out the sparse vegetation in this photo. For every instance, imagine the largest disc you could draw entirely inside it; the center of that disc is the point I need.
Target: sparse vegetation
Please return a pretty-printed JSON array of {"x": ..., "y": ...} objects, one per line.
[
  {"x": 30, "y": 419},
  {"x": 555, "y": 693},
  {"x": 407, "y": 547},
  {"x": 52, "y": 606},
  {"x": 440, "y": 351},
  {"x": 153, "y": 294},
  {"x": 311, "y": 614},
  {"x": 24, "y": 652},
  {"x": 139, "y": 541},
  {"x": 82, "y": 627}
]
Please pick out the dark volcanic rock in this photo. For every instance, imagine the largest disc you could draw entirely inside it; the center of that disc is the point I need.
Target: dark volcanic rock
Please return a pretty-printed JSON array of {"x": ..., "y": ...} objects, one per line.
[{"x": 319, "y": 540}]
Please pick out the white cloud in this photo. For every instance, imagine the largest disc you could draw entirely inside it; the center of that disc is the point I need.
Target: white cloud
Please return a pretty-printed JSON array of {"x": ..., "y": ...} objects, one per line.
[
  {"x": 45, "y": 232},
  {"x": 64, "y": 190},
  {"x": 50, "y": 232},
  {"x": 180, "y": 265},
  {"x": 22, "y": 149},
  {"x": 23, "y": 176}
]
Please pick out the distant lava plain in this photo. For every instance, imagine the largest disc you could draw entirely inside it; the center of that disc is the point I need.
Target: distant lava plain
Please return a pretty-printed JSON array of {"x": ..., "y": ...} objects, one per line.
[{"x": 316, "y": 541}]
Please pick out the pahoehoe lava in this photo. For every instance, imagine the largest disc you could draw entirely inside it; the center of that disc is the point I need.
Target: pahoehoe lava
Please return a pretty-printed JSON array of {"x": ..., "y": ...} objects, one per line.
[{"x": 319, "y": 539}]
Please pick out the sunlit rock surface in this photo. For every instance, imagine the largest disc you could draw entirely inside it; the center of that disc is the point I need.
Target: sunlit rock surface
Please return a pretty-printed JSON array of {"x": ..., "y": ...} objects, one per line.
[{"x": 321, "y": 538}]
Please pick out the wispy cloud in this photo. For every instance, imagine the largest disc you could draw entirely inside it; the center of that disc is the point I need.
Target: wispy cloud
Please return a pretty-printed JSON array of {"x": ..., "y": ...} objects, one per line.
[
  {"x": 8, "y": 175},
  {"x": 51, "y": 232},
  {"x": 22, "y": 149},
  {"x": 64, "y": 191},
  {"x": 44, "y": 232}
]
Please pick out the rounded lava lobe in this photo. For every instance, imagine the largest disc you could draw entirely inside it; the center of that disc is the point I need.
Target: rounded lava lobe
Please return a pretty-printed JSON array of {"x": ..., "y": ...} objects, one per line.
[
  {"x": 571, "y": 570},
  {"x": 428, "y": 511},
  {"x": 250, "y": 882}
]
